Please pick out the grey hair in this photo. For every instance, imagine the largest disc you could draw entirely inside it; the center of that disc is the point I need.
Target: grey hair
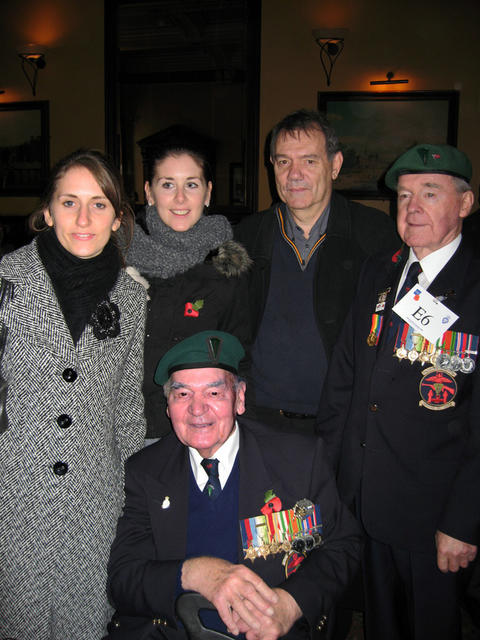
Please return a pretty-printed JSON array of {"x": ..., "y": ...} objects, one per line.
[
  {"x": 306, "y": 121},
  {"x": 234, "y": 379},
  {"x": 461, "y": 185}
]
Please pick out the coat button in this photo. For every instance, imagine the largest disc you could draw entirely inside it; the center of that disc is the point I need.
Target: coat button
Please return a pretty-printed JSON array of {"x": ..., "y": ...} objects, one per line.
[
  {"x": 373, "y": 406},
  {"x": 363, "y": 444},
  {"x": 60, "y": 468},
  {"x": 64, "y": 421},
  {"x": 69, "y": 375}
]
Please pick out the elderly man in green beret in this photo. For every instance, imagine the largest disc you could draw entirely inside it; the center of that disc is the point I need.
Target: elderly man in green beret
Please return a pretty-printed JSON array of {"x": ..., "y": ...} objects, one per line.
[
  {"x": 401, "y": 409},
  {"x": 248, "y": 517}
]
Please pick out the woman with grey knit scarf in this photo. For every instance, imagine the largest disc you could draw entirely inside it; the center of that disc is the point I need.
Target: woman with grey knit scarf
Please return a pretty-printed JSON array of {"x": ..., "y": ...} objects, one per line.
[{"x": 193, "y": 271}]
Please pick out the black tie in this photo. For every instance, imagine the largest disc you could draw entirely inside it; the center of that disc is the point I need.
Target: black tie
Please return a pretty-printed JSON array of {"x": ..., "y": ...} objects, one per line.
[
  {"x": 412, "y": 278},
  {"x": 212, "y": 488},
  {"x": 414, "y": 270}
]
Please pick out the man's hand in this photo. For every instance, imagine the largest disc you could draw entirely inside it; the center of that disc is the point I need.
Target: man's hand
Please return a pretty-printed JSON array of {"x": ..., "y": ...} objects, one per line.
[
  {"x": 242, "y": 598},
  {"x": 452, "y": 553},
  {"x": 285, "y": 612}
]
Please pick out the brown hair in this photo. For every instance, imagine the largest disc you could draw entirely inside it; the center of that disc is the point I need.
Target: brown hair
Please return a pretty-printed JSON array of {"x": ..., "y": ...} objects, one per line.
[{"x": 108, "y": 178}]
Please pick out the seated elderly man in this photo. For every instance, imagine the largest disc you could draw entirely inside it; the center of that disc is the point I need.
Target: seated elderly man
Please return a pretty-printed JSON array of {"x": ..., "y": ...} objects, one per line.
[{"x": 246, "y": 516}]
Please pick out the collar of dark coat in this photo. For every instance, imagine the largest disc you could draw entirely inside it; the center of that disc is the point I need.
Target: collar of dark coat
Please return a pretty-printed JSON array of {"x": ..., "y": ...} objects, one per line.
[
  {"x": 449, "y": 282},
  {"x": 167, "y": 466}
]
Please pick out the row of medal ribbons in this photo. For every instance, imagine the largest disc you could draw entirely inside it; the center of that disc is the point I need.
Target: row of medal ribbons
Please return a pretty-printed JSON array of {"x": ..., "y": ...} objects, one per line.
[{"x": 454, "y": 351}]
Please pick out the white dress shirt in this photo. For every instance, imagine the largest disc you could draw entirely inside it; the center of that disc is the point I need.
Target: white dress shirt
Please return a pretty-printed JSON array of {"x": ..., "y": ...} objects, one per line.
[
  {"x": 225, "y": 455},
  {"x": 431, "y": 264}
]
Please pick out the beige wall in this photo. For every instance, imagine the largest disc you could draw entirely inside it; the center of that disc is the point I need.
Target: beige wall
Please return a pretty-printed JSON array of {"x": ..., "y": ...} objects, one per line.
[
  {"x": 415, "y": 39},
  {"x": 434, "y": 43},
  {"x": 73, "y": 81}
]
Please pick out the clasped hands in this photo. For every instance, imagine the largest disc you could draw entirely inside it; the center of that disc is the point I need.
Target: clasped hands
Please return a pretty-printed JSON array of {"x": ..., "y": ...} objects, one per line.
[{"x": 244, "y": 602}]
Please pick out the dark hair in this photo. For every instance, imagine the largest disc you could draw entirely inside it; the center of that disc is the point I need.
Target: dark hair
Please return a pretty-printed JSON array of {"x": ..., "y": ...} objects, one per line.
[
  {"x": 155, "y": 156},
  {"x": 174, "y": 141},
  {"x": 108, "y": 178},
  {"x": 306, "y": 121}
]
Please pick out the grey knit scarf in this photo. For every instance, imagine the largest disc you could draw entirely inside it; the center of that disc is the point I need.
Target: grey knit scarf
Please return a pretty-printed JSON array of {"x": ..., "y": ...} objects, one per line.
[{"x": 166, "y": 252}]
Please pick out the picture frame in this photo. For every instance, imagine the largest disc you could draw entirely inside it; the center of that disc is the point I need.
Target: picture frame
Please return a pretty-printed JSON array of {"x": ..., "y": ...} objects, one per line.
[
  {"x": 237, "y": 184},
  {"x": 374, "y": 128},
  {"x": 24, "y": 147}
]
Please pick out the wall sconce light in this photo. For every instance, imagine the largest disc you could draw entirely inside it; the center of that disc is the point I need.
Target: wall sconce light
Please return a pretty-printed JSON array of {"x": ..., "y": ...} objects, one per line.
[
  {"x": 331, "y": 43},
  {"x": 33, "y": 59},
  {"x": 389, "y": 80}
]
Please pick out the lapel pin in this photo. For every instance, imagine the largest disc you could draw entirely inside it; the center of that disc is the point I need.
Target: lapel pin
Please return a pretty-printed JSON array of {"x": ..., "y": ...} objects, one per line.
[{"x": 166, "y": 503}]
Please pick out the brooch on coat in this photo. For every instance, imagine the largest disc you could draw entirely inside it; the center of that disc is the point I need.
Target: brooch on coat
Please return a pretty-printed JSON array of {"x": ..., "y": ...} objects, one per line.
[
  {"x": 105, "y": 320},
  {"x": 192, "y": 309}
]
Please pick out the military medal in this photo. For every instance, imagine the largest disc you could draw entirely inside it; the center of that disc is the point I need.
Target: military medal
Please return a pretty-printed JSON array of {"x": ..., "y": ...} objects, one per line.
[
  {"x": 413, "y": 355},
  {"x": 372, "y": 339},
  {"x": 468, "y": 365},
  {"x": 303, "y": 508},
  {"x": 455, "y": 362},
  {"x": 401, "y": 353},
  {"x": 292, "y": 532},
  {"x": 375, "y": 330},
  {"x": 442, "y": 361}
]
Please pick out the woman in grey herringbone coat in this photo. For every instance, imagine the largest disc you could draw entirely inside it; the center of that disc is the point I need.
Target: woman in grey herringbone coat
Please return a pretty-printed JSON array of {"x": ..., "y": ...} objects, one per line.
[{"x": 73, "y": 409}]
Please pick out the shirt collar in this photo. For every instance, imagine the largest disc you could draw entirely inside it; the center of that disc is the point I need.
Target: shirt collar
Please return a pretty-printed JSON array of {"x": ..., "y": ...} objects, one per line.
[
  {"x": 434, "y": 262},
  {"x": 226, "y": 458},
  {"x": 295, "y": 232}
]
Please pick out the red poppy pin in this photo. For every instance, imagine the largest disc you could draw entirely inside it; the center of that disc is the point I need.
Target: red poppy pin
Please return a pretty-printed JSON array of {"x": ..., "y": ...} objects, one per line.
[
  {"x": 272, "y": 503},
  {"x": 192, "y": 309},
  {"x": 396, "y": 256}
]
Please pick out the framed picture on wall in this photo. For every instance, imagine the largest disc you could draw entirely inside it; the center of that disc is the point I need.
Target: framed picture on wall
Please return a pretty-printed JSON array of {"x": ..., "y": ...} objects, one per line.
[
  {"x": 375, "y": 128},
  {"x": 24, "y": 148},
  {"x": 237, "y": 184}
]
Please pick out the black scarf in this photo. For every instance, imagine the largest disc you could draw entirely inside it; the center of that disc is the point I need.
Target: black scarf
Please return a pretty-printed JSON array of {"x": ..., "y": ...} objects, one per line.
[{"x": 79, "y": 284}]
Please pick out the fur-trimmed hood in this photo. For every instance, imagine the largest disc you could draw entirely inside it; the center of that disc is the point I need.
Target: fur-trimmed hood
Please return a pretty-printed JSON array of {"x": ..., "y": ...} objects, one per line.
[{"x": 230, "y": 259}]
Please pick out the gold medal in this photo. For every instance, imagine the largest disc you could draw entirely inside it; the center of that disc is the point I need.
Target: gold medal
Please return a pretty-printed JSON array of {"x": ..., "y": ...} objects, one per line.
[
  {"x": 401, "y": 353},
  {"x": 372, "y": 339},
  {"x": 250, "y": 553},
  {"x": 286, "y": 546},
  {"x": 412, "y": 355}
]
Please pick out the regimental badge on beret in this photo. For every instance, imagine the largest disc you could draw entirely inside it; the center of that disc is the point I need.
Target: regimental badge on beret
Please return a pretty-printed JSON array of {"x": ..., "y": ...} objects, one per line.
[
  {"x": 216, "y": 349},
  {"x": 430, "y": 158}
]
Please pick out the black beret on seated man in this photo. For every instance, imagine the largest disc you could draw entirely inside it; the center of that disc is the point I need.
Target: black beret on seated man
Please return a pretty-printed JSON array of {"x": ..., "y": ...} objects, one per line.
[
  {"x": 401, "y": 406},
  {"x": 248, "y": 517}
]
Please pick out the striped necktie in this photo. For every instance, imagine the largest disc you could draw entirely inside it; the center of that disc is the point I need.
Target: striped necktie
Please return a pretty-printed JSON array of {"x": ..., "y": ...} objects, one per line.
[{"x": 212, "y": 488}]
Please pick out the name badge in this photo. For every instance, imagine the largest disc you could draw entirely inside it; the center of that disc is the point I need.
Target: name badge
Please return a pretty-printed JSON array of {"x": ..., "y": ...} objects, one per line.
[{"x": 427, "y": 315}]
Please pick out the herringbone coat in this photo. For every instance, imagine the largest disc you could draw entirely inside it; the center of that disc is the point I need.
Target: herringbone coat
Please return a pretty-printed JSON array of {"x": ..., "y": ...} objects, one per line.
[{"x": 56, "y": 529}]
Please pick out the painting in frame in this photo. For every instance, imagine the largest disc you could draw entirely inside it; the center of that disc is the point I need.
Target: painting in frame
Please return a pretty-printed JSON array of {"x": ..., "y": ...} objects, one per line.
[
  {"x": 374, "y": 128},
  {"x": 24, "y": 148}
]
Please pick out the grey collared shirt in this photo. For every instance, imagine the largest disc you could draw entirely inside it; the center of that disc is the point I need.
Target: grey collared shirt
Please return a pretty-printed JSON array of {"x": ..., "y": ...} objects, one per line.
[{"x": 296, "y": 235}]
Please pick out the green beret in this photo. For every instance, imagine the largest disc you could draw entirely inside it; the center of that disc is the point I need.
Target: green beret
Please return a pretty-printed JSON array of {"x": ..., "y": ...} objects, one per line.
[
  {"x": 215, "y": 349},
  {"x": 430, "y": 158}
]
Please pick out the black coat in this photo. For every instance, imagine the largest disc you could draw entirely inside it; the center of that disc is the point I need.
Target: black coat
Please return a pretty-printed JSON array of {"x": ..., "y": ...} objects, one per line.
[
  {"x": 354, "y": 232},
  {"x": 151, "y": 541},
  {"x": 417, "y": 470},
  {"x": 221, "y": 285}
]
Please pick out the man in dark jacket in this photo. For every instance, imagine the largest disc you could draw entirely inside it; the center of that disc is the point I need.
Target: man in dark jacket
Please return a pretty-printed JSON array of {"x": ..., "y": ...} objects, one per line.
[
  {"x": 247, "y": 517},
  {"x": 307, "y": 253},
  {"x": 400, "y": 411}
]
